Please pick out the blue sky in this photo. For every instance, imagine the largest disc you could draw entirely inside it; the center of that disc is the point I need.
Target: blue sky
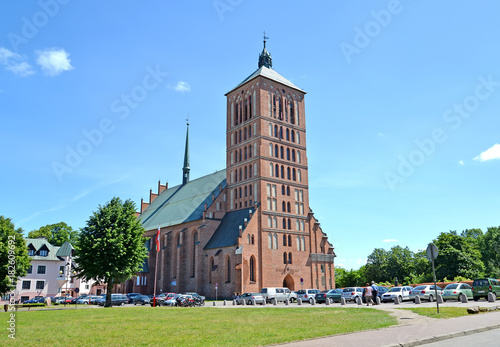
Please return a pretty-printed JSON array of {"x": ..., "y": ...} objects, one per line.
[{"x": 402, "y": 107}]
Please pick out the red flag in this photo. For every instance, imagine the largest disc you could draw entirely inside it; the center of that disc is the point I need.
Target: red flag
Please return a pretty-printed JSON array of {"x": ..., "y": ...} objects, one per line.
[{"x": 158, "y": 239}]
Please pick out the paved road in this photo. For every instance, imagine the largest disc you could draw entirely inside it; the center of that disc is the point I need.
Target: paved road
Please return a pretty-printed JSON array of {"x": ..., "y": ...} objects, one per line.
[{"x": 485, "y": 339}]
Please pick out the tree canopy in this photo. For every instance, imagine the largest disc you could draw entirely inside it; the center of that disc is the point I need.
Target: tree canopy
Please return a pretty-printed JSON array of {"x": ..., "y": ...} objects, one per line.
[
  {"x": 14, "y": 259},
  {"x": 111, "y": 247},
  {"x": 467, "y": 255},
  {"x": 56, "y": 234}
]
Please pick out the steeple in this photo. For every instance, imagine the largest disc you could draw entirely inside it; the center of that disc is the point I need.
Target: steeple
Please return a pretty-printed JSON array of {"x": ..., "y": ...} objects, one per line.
[
  {"x": 185, "y": 169},
  {"x": 265, "y": 58}
]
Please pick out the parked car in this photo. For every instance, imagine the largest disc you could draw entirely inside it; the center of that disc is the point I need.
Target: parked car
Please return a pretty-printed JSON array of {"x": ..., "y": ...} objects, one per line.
[
  {"x": 142, "y": 300},
  {"x": 401, "y": 293},
  {"x": 131, "y": 297},
  {"x": 426, "y": 292},
  {"x": 79, "y": 300},
  {"x": 333, "y": 295},
  {"x": 171, "y": 301},
  {"x": 248, "y": 297},
  {"x": 307, "y": 295},
  {"x": 293, "y": 296},
  {"x": 482, "y": 286},
  {"x": 278, "y": 293},
  {"x": 35, "y": 300},
  {"x": 59, "y": 300},
  {"x": 116, "y": 300},
  {"x": 352, "y": 293},
  {"x": 455, "y": 291},
  {"x": 166, "y": 297},
  {"x": 381, "y": 291}
]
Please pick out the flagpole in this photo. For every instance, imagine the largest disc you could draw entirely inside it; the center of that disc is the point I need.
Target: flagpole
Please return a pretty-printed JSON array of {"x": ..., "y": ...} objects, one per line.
[{"x": 156, "y": 264}]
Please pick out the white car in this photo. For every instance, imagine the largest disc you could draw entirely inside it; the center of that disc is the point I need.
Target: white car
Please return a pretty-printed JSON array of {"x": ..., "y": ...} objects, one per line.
[{"x": 401, "y": 293}]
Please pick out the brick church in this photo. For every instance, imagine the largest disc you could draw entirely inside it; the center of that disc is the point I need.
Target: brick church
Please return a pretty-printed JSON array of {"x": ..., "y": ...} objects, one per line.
[{"x": 248, "y": 226}]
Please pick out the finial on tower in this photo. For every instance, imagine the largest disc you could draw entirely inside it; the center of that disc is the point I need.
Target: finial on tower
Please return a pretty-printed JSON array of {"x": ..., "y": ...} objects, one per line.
[{"x": 265, "y": 58}]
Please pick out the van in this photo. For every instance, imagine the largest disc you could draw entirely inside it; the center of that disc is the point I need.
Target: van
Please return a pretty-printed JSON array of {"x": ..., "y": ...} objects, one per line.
[
  {"x": 482, "y": 286},
  {"x": 278, "y": 293}
]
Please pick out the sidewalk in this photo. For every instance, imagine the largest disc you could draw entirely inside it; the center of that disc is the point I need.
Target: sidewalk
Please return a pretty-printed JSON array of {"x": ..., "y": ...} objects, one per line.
[{"x": 413, "y": 330}]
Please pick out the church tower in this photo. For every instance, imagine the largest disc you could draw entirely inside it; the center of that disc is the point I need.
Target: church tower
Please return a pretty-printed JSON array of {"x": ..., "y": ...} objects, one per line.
[{"x": 267, "y": 168}]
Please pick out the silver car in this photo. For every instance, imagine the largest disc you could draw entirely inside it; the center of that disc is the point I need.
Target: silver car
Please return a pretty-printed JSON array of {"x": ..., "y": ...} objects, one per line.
[
  {"x": 425, "y": 292},
  {"x": 248, "y": 297},
  {"x": 352, "y": 293}
]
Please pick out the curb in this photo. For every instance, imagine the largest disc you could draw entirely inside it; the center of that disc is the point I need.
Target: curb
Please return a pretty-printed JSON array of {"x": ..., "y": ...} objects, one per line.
[{"x": 445, "y": 337}]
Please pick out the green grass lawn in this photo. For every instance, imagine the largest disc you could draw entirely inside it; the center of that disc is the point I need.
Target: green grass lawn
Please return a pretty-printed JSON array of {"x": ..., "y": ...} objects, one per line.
[
  {"x": 147, "y": 326},
  {"x": 444, "y": 312}
]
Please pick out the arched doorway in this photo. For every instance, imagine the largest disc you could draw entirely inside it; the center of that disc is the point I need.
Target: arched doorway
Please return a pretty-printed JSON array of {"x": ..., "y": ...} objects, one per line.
[{"x": 288, "y": 282}]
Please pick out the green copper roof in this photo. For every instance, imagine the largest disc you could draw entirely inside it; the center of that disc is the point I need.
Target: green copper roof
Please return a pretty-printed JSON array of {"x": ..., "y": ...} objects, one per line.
[
  {"x": 42, "y": 244},
  {"x": 66, "y": 250},
  {"x": 183, "y": 203}
]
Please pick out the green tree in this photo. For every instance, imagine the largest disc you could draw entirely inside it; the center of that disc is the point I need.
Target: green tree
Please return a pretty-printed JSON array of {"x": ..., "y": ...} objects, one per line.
[
  {"x": 56, "y": 234},
  {"x": 400, "y": 264},
  {"x": 376, "y": 266},
  {"x": 489, "y": 244},
  {"x": 458, "y": 256},
  {"x": 110, "y": 248},
  {"x": 14, "y": 258}
]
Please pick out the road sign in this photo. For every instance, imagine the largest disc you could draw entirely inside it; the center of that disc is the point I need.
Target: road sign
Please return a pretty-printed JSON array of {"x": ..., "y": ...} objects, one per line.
[
  {"x": 77, "y": 290},
  {"x": 432, "y": 251},
  {"x": 301, "y": 280}
]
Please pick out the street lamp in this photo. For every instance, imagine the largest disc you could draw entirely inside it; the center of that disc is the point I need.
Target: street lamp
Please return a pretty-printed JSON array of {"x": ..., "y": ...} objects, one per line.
[{"x": 68, "y": 275}]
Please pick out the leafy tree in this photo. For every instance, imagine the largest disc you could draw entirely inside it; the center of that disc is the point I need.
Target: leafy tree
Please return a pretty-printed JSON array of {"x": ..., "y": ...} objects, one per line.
[
  {"x": 110, "y": 248},
  {"x": 14, "y": 259},
  {"x": 376, "y": 265},
  {"x": 458, "y": 256},
  {"x": 349, "y": 278},
  {"x": 56, "y": 234},
  {"x": 489, "y": 244}
]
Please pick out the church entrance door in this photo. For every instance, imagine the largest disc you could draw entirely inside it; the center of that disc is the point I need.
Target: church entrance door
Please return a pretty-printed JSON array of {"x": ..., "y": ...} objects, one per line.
[{"x": 288, "y": 282}]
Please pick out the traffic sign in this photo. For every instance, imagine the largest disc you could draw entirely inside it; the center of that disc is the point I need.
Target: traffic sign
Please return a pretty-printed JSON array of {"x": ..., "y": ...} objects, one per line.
[
  {"x": 77, "y": 290},
  {"x": 301, "y": 280},
  {"x": 432, "y": 251}
]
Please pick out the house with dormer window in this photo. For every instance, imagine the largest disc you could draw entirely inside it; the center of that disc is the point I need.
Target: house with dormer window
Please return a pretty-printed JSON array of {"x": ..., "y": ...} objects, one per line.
[{"x": 51, "y": 272}]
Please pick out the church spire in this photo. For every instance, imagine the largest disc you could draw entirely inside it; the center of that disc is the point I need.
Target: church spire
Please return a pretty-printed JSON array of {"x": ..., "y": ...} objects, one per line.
[
  {"x": 185, "y": 169},
  {"x": 265, "y": 58}
]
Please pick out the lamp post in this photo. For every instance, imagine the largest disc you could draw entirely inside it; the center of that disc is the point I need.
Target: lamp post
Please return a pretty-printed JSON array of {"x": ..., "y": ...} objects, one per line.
[{"x": 68, "y": 275}]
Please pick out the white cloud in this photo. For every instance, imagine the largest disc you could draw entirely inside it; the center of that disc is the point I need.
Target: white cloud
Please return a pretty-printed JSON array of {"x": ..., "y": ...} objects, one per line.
[
  {"x": 390, "y": 240},
  {"x": 182, "y": 87},
  {"x": 490, "y": 154},
  {"x": 461, "y": 162},
  {"x": 381, "y": 134},
  {"x": 54, "y": 61},
  {"x": 15, "y": 62}
]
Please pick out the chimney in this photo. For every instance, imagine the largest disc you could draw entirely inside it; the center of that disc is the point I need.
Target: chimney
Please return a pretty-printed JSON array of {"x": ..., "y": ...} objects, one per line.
[
  {"x": 245, "y": 221},
  {"x": 250, "y": 214},
  {"x": 241, "y": 231}
]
